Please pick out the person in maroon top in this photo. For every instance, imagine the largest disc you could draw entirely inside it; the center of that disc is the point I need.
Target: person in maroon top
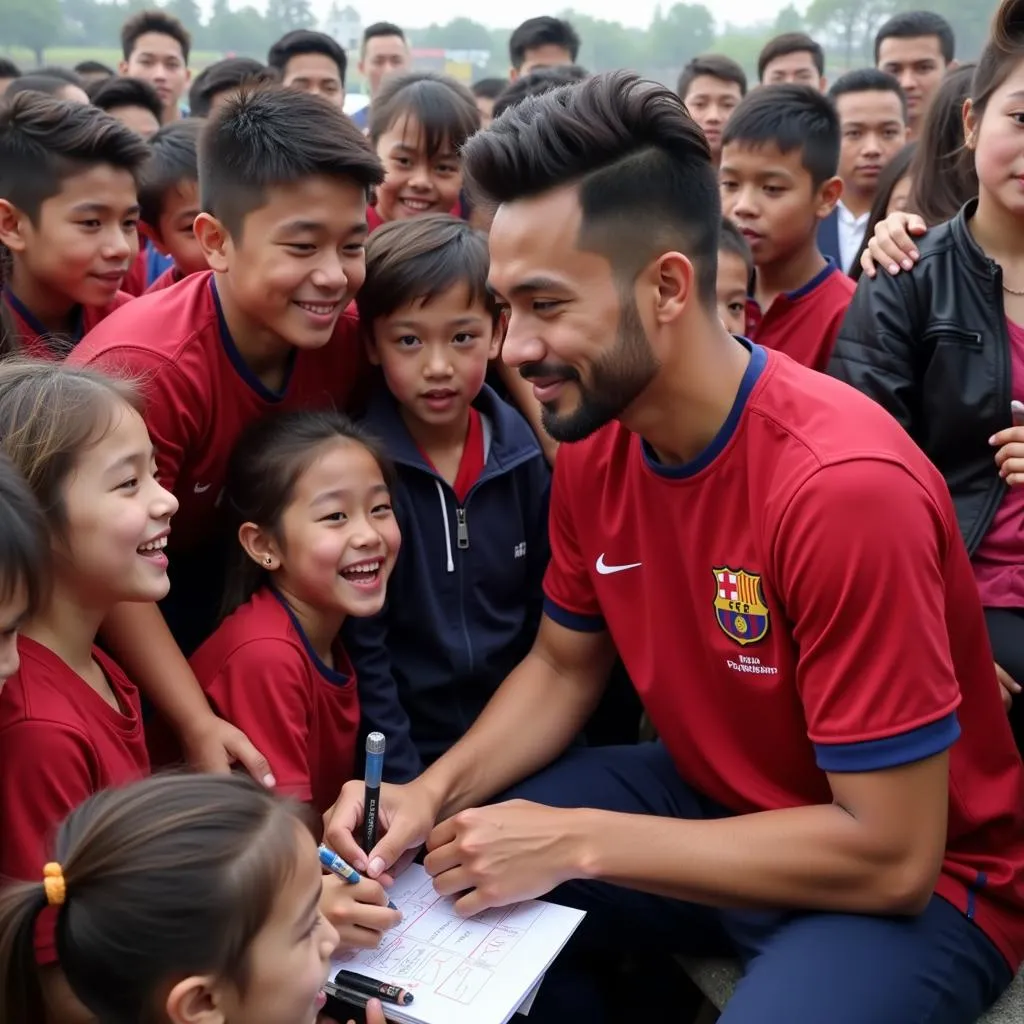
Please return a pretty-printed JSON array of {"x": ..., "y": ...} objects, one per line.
[
  {"x": 69, "y": 218},
  {"x": 778, "y": 181}
]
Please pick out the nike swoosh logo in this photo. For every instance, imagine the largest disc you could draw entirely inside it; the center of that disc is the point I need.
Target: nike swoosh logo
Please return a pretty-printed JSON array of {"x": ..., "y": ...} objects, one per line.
[
  {"x": 202, "y": 488},
  {"x": 607, "y": 570}
]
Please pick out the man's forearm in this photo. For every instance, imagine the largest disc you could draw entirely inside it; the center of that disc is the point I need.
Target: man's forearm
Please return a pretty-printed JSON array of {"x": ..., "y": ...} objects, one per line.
[
  {"x": 530, "y": 721},
  {"x": 815, "y": 858}
]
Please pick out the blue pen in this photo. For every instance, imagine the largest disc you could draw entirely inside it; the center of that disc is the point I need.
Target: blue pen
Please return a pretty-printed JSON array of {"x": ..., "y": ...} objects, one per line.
[
  {"x": 375, "y": 744},
  {"x": 341, "y": 867}
]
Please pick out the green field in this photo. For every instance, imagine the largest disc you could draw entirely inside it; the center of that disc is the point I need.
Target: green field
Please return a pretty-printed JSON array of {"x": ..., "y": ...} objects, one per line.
[{"x": 69, "y": 56}]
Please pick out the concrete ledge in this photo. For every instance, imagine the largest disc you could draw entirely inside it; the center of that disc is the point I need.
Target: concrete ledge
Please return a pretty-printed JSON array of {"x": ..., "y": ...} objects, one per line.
[{"x": 717, "y": 978}]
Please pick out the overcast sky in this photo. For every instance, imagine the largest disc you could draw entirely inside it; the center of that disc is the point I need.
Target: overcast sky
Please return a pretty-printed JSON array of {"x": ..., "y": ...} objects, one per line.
[{"x": 416, "y": 14}]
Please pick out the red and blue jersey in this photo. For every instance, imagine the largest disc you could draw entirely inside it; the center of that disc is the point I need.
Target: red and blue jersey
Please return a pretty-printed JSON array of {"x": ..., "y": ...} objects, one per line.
[
  {"x": 797, "y": 601},
  {"x": 33, "y": 339}
]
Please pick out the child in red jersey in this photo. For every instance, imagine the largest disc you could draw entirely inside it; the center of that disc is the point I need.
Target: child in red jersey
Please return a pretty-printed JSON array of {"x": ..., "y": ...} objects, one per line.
[
  {"x": 68, "y": 217},
  {"x": 284, "y": 182},
  {"x": 180, "y": 899},
  {"x": 418, "y": 124},
  {"x": 310, "y": 497},
  {"x": 778, "y": 182},
  {"x": 169, "y": 200},
  {"x": 70, "y": 722}
]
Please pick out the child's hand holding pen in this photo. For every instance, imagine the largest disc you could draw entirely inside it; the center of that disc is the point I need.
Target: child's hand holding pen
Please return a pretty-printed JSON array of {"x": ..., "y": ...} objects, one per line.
[
  {"x": 359, "y": 912},
  {"x": 374, "y": 1014}
]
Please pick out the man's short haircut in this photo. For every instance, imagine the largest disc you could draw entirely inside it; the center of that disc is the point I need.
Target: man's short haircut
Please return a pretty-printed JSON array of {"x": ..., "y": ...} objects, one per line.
[
  {"x": 66, "y": 75},
  {"x": 536, "y": 83},
  {"x": 488, "y": 88},
  {"x": 444, "y": 109},
  {"x": 379, "y": 30},
  {"x": 867, "y": 80},
  {"x": 173, "y": 160},
  {"x": 417, "y": 260},
  {"x": 44, "y": 141},
  {"x": 643, "y": 170},
  {"x": 93, "y": 67},
  {"x": 46, "y": 85},
  {"x": 268, "y": 138},
  {"x": 787, "y": 43},
  {"x": 914, "y": 25},
  {"x": 730, "y": 239},
  {"x": 8, "y": 69},
  {"x": 230, "y": 73},
  {"x": 544, "y": 31},
  {"x": 713, "y": 65},
  {"x": 154, "y": 21},
  {"x": 302, "y": 41},
  {"x": 116, "y": 93},
  {"x": 789, "y": 117}
]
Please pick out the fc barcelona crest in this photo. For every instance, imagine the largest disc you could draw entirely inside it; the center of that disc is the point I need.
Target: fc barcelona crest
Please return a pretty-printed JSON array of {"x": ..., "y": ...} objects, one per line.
[{"x": 739, "y": 605}]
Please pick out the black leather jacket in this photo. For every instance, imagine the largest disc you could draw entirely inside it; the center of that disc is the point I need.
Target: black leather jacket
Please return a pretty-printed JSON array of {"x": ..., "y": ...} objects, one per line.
[{"x": 932, "y": 346}]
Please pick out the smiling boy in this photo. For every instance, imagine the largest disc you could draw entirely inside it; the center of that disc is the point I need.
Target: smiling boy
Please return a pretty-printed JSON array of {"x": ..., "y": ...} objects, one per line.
[
  {"x": 68, "y": 217},
  {"x": 778, "y": 181}
]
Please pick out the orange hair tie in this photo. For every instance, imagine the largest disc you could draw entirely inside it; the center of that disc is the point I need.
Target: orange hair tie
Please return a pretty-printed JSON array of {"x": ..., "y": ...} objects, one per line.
[{"x": 53, "y": 883}]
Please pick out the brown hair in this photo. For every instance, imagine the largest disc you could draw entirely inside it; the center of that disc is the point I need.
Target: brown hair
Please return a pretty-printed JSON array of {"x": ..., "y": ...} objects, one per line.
[
  {"x": 266, "y": 464},
  {"x": 898, "y": 168},
  {"x": 417, "y": 260},
  {"x": 167, "y": 878},
  {"x": 49, "y": 413},
  {"x": 942, "y": 170},
  {"x": 24, "y": 541}
]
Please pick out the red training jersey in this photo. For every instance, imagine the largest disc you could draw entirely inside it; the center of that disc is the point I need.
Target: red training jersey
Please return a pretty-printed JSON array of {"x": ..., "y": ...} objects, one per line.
[
  {"x": 200, "y": 394},
  {"x": 261, "y": 674},
  {"x": 804, "y": 323},
  {"x": 172, "y": 275},
  {"x": 60, "y": 742},
  {"x": 35, "y": 340},
  {"x": 798, "y": 601}
]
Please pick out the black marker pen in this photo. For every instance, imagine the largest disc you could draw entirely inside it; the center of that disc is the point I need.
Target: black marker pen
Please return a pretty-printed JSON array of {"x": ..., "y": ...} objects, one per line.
[{"x": 372, "y": 988}]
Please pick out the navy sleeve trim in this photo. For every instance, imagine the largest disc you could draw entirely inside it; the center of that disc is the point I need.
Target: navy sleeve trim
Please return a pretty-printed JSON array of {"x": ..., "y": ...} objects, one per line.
[
  {"x": 891, "y": 752},
  {"x": 573, "y": 620}
]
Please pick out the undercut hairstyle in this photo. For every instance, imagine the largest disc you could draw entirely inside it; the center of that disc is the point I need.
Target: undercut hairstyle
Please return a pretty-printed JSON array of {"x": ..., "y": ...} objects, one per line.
[
  {"x": 488, "y": 88},
  {"x": 379, "y": 30},
  {"x": 24, "y": 541},
  {"x": 868, "y": 80},
  {"x": 44, "y": 141},
  {"x": 263, "y": 471},
  {"x": 111, "y": 94},
  {"x": 93, "y": 67},
  {"x": 225, "y": 76},
  {"x": 784, "y": 45},
  {"x": 418, "y": 260},
  {"x": 154, "y": 21},
  {"x": 8, "y": 69},
  {"x": 536, "y": 83},
  {"x": 713, "y": 65},
  {"x": 64, "y": 74},
  {"x": 646, "y": 183},
  {"x": 730, "y": 239},
  {"x": 544, "y": 31},
  {"x": 789, "y": 117},
  {"x": 302, "y": 41},
  {"x": 172, "y": 161},
  {"x": 45, "y": 85},
  {"x": 271, "y": 138},
  {"x": 172, "y": 876},
  {"x": 444, "y": 109},
  {"x": 915, "y": 25}
]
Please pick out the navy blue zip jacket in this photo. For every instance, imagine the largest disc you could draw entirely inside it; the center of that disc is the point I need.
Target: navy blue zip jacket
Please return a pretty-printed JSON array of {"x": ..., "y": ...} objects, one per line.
[{"x": 464, "y": 599}]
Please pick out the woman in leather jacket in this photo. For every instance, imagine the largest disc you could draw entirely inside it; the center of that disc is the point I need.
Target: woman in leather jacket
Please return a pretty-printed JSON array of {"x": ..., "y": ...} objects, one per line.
[{"x": 942, "y": 348}]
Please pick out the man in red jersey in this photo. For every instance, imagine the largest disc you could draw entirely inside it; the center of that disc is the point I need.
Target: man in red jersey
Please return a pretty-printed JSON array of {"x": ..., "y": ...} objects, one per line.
[
  {"x": 283, "y": 181},
  {"x": 835, "y": 796}
]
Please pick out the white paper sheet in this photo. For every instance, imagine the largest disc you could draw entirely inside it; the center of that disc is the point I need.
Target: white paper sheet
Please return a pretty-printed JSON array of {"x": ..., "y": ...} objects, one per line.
[{"x": 476, "y": 970}]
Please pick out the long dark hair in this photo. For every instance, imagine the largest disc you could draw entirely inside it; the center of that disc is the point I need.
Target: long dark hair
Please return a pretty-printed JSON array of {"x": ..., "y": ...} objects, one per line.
[
  {"x": 166, "y": 878},
  {"x": 265, "y": 466},
  {"x": 895, "y": 171}
]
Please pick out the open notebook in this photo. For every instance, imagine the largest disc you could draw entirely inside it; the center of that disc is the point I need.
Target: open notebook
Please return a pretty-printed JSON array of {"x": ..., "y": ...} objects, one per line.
[{"x": 476, "y": 970}]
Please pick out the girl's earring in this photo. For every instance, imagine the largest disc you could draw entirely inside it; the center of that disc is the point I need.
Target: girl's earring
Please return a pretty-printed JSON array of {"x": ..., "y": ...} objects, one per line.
[{"x": 268, "y": 560}]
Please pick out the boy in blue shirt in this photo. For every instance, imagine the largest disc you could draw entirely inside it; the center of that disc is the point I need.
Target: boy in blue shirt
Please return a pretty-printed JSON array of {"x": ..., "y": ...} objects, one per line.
[{"x": 465, "y": 597}]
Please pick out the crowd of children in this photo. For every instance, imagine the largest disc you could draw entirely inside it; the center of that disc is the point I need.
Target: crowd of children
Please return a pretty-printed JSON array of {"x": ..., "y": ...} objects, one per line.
[{"x": 277, "y": 432}]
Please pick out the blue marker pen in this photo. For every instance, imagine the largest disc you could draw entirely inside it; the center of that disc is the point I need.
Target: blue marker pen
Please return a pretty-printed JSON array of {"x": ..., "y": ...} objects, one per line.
[
  {"x": 375, "y": 744},
  {"x": 341, "y": 867}
]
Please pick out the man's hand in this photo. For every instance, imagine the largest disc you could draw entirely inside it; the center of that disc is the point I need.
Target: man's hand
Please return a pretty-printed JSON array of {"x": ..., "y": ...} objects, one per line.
[
  {"x": 359, "y": 913},
  {"x": 214, "y": 745},
  {"x": 1008, "y": 687},
  {"x": 407, "y": 814},
  {"x": 504, "y": 853}
]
